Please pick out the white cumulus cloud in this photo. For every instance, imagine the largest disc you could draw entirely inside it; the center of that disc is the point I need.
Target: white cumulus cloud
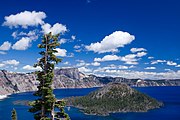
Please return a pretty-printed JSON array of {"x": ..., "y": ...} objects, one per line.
[
  {"x": 141, "y": 54},
  {"x": 33, "y": 35},
  {"x": 23, "y": 44},
  {"x": 111, "y": 43},
  {"x": 62, "y": 41},
  {"x": 25, "y": 19},
  {"x": 128, "y": 59},
  {"x": 61, "y": 52},
  {"x": 139, "y": 74},
  {"x": 77, "y": 46},
  {"x": 132, "y": 58},
  {"x": 123, "y": 67},
  {"x": 150, "y": 57},
  {"x": 25, "y": 39},
  {"x": 66, "y": 63},
  {"x": 133, "y": 50},
  {"x": 82, "y": 63},
  {"x": 150, "y": 68},
  {"x": 55, "y": 29},
  {"x": 14, "y": 34},
  {"x": 5, "y": 46},
  {"x": 11, "y": 62},
  {"x": 157, "y": 61},
  {"x": 167, "y": 69},
  {"x": 85, "y": 70},
  {"x": 73, "y": 37},
  {"x": 171, "y": 63},
  {"x": 2, "y": 65},
  {"x": 28, "y": 67},
  {"x": 96, "y": 64},
  {"x": 177, "y": 65},
  {"x": 107, "y": 58}
]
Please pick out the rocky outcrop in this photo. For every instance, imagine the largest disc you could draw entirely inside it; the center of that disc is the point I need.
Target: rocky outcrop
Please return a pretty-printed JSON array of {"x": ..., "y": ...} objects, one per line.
[
  {"x": 114, "y": 97},
  {"x": 72, "y": 73},
  {"x": 11, "y": 82}
]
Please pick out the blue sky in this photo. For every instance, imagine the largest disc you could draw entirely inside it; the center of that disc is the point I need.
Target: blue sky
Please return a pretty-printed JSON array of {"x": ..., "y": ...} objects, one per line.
[{"x": 133, "y": 39}]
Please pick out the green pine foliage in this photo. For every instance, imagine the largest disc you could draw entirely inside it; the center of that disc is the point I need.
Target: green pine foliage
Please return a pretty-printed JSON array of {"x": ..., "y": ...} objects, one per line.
[
  {"x": 13, "y": 115},
  {"x": 114, "y": 97},
  {"x": 45, "y": 104}
]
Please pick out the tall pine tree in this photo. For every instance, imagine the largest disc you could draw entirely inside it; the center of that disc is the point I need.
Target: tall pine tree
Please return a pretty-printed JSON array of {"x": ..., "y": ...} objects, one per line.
[
  {"x": 44, "y": 106},
  {"x": 13, "y": 115}
]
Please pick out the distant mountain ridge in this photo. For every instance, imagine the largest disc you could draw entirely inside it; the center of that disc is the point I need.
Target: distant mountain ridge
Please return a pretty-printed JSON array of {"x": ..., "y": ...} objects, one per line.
[{"x": 69, "y": 78}]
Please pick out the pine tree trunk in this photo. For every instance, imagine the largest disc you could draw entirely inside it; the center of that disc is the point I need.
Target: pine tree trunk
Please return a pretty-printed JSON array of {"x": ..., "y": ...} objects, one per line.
[
  {"x": 42, "y": 111},
  {"x": 52, "y": 112},
  {"x": 45, "y": 72}
]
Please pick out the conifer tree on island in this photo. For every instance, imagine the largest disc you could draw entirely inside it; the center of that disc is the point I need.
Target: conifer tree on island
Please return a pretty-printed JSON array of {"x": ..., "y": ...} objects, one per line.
[
  {"x": 45, "y": 104},
  {"x": 13, "y": 114}
]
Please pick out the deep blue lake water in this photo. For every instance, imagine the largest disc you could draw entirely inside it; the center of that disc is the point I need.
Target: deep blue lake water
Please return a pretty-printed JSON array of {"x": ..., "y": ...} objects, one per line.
[{"x": 170, "y": 96}]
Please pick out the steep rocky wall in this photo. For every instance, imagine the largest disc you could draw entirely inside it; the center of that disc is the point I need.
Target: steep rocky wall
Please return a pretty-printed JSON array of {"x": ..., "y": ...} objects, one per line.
[{"x": 69, "y": 78}]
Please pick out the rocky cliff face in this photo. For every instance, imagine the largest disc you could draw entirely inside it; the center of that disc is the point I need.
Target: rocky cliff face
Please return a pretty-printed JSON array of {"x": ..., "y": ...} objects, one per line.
[
  {"x": 16, "y": 82},
  {"x": 69, "y": 78}
]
